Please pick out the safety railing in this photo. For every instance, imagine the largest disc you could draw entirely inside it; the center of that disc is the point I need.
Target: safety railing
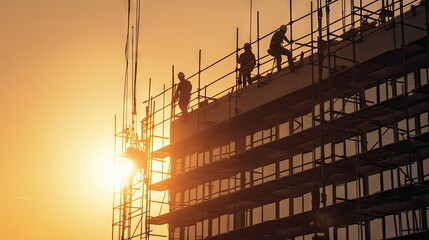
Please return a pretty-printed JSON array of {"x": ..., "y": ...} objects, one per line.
[{"x": 306, "y": 43}]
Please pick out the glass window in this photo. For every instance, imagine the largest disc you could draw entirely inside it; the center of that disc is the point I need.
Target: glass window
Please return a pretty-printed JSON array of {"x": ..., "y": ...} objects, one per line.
[
  {"x": 199, "y": 230},
  {"x": 231, "y": 222},
  {"x": 306, "y": 120},
  {"x": 284, "y": 130},
  {"x": 426, "y": 169},
  {"x": 423, "y": 76},
  {"x": 411, "y": 80},
  {"x": 191, "y": 232},
  {"x": 207, "y": 158},
  {"x": 382, "y": 92},
  {"x": 372, "y": 140},
  {"x": 215, "y": 188},
  {"x": 374, "y": 183},
  {"x": 387, "y": 180},
  {"x": 284, "y": 168},
  {"x": 216, "y": 153},
  {"x": 341, "y": 233},
  {"x": 224, "y": 186},
  {"x": 351, "y": 190},
  {"x": 187, "y": 162},
  {"x": 200, "y": 191},
  {"x": 269, "y": 212},
  {"x": 351, "y": 146},
  {"x": 329, "y": 195},
  {"x": 390, "y": 227},
  {"x": 307, "y": 202},
  {"x": 200, "y": 158},
  {"x": 257, "y": 138},
  {"x": 257, "y": 176},
  {"x": 269, "y": 172},
  {"x": 194, "y": 161},
  {"x": 205, "y": 228},
  {"x": 371, "y": 96},
  {"x": 340, "y": 192},
  {"x": 424, "y": 125},
  {"x": 297, "y": 124},
  {"x": 297, "y": 163},
  {"x": 297, "y": 205},
  {"x": 284, "y": 208},
  {"x": 307, "y": 160},
  {"x": 186, "y": 197},
  {"x": 193, "y": 196},
  {"x": 249, "y": 142},
  {"x": 215, "y": 226},
  {"x": 376, "y": 228},
  {"x": 339, "y": 150},
  {"x": 257, "y": 215},
  {"x": 223, "y": 224},
  {"x": 176, "y": 234}
]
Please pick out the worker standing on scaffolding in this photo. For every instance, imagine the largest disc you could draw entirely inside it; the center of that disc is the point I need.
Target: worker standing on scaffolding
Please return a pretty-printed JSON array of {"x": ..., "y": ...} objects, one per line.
[
  {"x": 276, "y": 49},
  {"x": 247, "y": 62},
  {"x": 183, "y": 93}
]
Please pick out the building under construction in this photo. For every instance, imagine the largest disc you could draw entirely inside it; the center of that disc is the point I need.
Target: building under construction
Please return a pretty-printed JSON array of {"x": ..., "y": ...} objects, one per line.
[{"x": 337, "y": 149}]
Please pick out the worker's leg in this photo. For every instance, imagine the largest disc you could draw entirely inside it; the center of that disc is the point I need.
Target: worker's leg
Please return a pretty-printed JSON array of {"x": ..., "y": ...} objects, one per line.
[
  {"x": 288, "y": 54},
  {"x": 249, "y": 78},
  {"x": 278, "y": 58},
  {"x": 242, "y": 79},
  {"x": 183, "y": 105},
  {"x": 246, "y": 78}
]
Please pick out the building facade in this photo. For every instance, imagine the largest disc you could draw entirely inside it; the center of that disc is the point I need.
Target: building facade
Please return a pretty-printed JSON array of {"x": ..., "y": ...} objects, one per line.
[{"x": 338, "y": 149}]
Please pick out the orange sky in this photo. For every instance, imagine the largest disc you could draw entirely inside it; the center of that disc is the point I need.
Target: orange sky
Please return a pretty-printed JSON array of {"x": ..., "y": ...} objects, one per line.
[{"x": 61, "y": 70}]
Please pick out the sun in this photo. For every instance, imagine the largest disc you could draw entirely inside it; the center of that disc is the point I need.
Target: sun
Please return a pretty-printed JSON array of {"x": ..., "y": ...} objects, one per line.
[{"x": 110, "y": 172}]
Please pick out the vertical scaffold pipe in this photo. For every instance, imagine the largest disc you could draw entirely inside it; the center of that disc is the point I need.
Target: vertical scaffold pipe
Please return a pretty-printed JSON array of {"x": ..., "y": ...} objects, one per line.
[
  {"x": 404, "y": 72},
  {"x": 172, "y": 110},
  {"x": 199, "y": 90},
  {"x": 320, "y": 58},
  {"x": 250, "y": 25},
  {"x": 331, "y": 102},
  {"x": 258, "y": 41},
  {"x": 315, "y": 192},
  {"x": 291, "y": 27},
  {"x": 236, "y": 74}
]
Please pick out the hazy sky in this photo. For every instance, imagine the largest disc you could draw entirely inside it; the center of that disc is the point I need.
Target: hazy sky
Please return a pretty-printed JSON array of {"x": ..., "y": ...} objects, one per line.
[{"x": 61, "y": 74}]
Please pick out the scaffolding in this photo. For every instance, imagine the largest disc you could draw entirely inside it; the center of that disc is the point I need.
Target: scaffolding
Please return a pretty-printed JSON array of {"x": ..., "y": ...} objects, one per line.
[{"x": 333, "y": 111}]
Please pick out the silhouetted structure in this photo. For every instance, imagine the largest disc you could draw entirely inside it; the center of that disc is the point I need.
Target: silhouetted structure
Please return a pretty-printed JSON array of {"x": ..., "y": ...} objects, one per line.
[
  {"x": 247, "y": 62},
  {"x": 337, "y": 150},
  {"x": 183, "y": 93},
  {"x": 277, "y": 50}
]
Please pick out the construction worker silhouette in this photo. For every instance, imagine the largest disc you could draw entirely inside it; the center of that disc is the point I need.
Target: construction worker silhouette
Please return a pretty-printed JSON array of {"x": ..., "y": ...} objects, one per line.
[
  {"x": 276, "y": 49},
  {"x": 247, "y": 62},
  {"x": 183, "y": 94}
]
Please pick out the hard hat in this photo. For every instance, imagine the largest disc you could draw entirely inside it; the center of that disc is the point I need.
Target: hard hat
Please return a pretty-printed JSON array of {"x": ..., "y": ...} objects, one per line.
[
  {"x": 181, "y": 75},
  {"x": 283, "y": 28},
  {"x": 247, "y": 46}
]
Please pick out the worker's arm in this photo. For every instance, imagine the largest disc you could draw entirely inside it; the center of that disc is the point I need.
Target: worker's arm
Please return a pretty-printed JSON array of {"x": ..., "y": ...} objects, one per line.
[
  {"x": 177, "y": 93},
  {"x": 239, "y": 59},
  {"x": 286, "y": 39},
  {"x": 253, "y": 63}
]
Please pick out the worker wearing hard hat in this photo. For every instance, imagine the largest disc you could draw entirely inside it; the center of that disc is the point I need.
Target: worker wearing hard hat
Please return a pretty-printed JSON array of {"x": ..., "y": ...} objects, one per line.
[
  {"x": 183, "y": 94},
  {"x": 247, "y": 62},
  {"x": 277, "y": 50}
]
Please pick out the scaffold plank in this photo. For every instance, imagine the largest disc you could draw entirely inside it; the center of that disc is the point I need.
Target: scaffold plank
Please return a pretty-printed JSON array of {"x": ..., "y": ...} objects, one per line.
[
  {"x": 337, "y": 215},
  {"x": 384, "y": 113},
  {"x": 367, "y": 73},
  {"x": 302, "y": 182}
]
